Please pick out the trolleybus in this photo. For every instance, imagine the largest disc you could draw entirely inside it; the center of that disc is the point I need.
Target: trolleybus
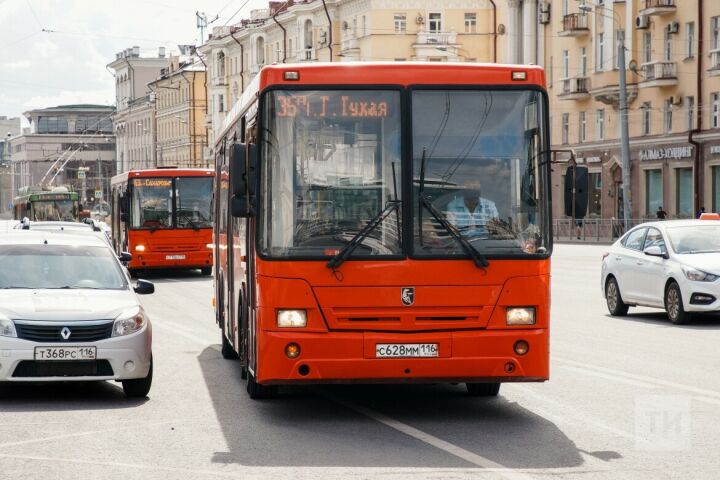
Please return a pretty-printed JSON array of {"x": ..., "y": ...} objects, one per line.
[
  {"x": 385, "y": 222},
  {"x": 165, "y": 218},
  {"x": 47, "y": 204}
]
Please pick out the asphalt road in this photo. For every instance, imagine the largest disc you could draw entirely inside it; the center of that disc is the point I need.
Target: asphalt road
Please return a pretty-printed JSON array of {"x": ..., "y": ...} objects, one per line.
[{"x": 632, "y": 397}]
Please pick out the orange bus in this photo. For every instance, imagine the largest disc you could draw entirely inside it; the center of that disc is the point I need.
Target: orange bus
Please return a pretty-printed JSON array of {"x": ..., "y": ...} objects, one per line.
[
  {"x": 166, "y": 218},
  {"x": 385, "y": 222}
]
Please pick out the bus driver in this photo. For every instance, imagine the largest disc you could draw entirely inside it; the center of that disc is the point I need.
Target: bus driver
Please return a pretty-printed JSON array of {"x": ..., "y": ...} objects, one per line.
[{"x": 470, "y": 212}]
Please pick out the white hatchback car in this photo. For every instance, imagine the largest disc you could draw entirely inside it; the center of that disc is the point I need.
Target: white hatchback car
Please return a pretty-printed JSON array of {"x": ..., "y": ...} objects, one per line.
[
  {"x": 69, "y": 313},
  {"x": 674, "y": 265}
]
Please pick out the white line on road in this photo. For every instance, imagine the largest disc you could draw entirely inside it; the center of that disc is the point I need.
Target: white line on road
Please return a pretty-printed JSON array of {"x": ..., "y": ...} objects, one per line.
[{"x": 197, "y": 338}]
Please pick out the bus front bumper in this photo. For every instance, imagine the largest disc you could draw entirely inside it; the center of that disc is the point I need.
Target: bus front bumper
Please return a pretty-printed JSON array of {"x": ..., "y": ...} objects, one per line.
[
  {"x": 350, "y": 357},
  {"x": 197, "y": 259}
]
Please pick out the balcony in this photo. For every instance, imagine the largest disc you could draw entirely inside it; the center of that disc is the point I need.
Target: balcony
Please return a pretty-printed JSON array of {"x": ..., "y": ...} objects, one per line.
[
  {"x": 610, "y": 94},
  {"x": 714, "y": 69},
  {"x": 435, "y": 38},
  {"x": 576, "y": 88},
  {"x": 306, "y": 55},
  {"x": 658, "y": 7},
  {"x": 575, "y": 25},
  {"x": 219, "y": 82},
  {"x": 658, "y": 74},
  {"x": 436, "y": 45},
  {"x": 350, "y": 49}
]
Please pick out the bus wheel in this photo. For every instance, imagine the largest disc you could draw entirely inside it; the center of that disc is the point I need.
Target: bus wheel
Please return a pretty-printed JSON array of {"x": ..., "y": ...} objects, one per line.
[
  {"x": 227, "y": 351},
  {"x": 483, "y": 389},
  {"x": 257, "y": 391},
  {"x": 206, "y": 271}
]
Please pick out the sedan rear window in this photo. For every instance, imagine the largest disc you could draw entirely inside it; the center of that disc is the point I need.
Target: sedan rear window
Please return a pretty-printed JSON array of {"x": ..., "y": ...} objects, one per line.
[{"x": 59, "y": 267}]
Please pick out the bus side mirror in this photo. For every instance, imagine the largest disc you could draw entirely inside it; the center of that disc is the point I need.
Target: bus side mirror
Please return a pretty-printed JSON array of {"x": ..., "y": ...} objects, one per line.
[
  {"x": 124, "y": 217},
  {"x": 124, "y": 204},
  {"x": 576, "y": 191},
  {"x": 242, "y": 206},
  {"x": 243, "y": 163}
]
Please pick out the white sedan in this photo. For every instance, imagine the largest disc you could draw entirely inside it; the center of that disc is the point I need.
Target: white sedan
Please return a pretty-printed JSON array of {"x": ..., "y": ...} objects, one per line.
[{"x": 673, "y": 265}]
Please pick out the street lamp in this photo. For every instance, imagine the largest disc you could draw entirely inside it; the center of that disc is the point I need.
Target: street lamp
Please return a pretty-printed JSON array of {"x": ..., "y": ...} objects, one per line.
[{"x": 624, "y": 135}]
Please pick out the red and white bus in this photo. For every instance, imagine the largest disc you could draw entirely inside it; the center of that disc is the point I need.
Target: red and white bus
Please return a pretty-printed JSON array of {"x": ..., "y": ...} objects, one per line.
[
  {"x": 166, "y": 218},
  {"x": 385, "y": 222}
]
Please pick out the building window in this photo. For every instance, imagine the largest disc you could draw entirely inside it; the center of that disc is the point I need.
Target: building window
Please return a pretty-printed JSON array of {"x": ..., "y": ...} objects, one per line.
[
  {"x": 668, "y": 46},
  {"x": 364, "y": 25},
  {"x": 600, "y": 52},
  {"x": 583, "y": 62},
  {"x": 690, "y": 39},
  {"x": 582, "y": 127},
  {"x": 714, "y": 33},
  {"x": 647, "y": 47},
  {"x": 52, "y": 125},
  {"x": 646, "y": 109},
  {"x": 565, "y": 7},
  {"x": 653, "y": 191},
  {"x": 435, "y": 22},
  {"x": 400, "y": 20},
  {"x": 260, "y": 51},
  {"x": 684, "y": 192},
  {"x": 221, "y": 64},
  {"x": 690, "y": 106},
  {"x": 470, "y": 22},
  {"x": 715, "y": 101},
  {"x": 600, "y": 124},
  {"x": 715, "y": 188},
  {"x": 566, "y": 64},
  {"x": 668, "y": 116},
  {"x": 221, "y": 103},
  {"x": 595, "y": 194},
  {"x": 565, "y": 128}
]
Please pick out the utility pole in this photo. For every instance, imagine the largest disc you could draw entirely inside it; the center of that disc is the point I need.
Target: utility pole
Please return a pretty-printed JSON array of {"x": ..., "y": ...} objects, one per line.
[{"x": 624, "y": 134}]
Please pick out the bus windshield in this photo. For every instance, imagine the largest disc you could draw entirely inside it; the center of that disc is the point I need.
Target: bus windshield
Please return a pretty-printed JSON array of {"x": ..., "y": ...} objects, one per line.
[
  {"x": 63, "y": 210},
  {"x": 151, "y": 203},
  {"x": 477, "y": 165},
  {"x": 331, "y": 163},
  {"x": 193, "y": 202}
]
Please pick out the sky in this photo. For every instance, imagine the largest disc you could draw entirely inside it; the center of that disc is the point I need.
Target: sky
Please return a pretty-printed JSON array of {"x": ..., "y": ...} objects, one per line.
[{"x": 67, "y": 62}]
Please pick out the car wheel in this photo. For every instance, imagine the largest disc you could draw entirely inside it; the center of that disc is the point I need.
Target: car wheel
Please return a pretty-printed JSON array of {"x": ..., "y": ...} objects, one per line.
[
  {"x": 257, "y": 391},
  {"x": 139, "y": 387},
  {"x": 674, "y": 305},
  {"x": 483, "y": 389},
  {"x": 615, "y": 304},
  {"x": 227, "y": 351},
  {"x": 206, "y": 271}
]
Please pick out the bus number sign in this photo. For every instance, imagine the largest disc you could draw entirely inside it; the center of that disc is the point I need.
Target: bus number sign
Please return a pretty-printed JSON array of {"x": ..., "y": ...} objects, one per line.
[{"x": 321, "y": 106}]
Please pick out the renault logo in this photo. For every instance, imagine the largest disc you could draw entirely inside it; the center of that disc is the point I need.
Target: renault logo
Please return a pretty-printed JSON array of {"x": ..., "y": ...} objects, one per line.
[
  {"x": 407, "y": 295},
  {"x": 65, "y": 333}
]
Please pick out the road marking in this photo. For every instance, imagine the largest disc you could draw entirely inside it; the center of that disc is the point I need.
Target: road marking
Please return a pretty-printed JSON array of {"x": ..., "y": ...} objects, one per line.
[
  {"x": 702, "y": 394},
  {"x": 436, "y": 442},
  {"x": 204, "y": 341}
]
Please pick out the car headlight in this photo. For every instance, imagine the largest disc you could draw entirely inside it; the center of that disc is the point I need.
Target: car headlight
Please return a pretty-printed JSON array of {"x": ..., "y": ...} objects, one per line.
[
  {"x": 520, "y": 316},
  {"x": 698, "y": 275},
  {"x": 7, "y": 327},
  {"x": 130, "y": 321},
  {"x": 291, "y": 318}
]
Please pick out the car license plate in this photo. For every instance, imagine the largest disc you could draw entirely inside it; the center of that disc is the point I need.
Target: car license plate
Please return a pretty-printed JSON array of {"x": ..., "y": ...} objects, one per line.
[
  {"x": 65, "y": 353},
  {"x": 174, "y": 257},
  {"x": 402, "y": 350}
]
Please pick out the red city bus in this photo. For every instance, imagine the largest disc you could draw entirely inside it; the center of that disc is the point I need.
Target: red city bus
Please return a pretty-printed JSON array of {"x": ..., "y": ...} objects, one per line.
[
  {"x": 166, "y": 218},
  {"x": 385, "y": 222}
]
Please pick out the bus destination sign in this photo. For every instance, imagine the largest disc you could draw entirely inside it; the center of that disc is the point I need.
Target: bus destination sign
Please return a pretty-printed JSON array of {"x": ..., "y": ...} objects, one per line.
[
  {"x": 322, "y": 106},
  {"x": 153, "y": 182}
]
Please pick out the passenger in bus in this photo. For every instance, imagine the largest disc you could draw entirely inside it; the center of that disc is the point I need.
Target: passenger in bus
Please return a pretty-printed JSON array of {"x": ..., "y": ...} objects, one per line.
[{"x": 470, "y": 212}]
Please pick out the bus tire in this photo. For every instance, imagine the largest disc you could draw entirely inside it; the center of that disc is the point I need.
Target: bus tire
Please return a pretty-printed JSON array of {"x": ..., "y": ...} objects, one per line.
[
  {"x": 139, "y": 387},
  {"x": 257, "y": 391},
  {"x": 206, "y": 271},
  {"x": 483, "y": 389},
  {"x": 227, "y": 351}
]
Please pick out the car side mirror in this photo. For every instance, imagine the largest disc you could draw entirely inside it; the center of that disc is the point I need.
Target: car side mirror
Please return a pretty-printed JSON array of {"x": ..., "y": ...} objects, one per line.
[
  {"x": 655, "y": 251},
  {"x": 125, "y": 257},
  {"x": 143, "y": 287}
]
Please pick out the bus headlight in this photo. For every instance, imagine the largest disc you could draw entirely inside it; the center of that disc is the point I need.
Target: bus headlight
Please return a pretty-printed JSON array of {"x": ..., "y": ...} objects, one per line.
[
  {"x": 129, "y": 322},
  {"x": 520, "y": 316},
  {"x": 139, "y": 248},
  {"x": 291, "y": 318}
]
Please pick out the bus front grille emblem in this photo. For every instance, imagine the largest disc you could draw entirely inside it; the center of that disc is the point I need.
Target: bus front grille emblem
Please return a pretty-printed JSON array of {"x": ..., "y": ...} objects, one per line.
[{"x": 407, "y": 295}]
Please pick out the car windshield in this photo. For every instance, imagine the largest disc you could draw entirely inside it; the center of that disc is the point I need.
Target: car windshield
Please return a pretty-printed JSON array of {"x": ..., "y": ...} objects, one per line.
[
  {"x": 695, "y": 238},
  {"x": 59, "y": 266},
  {"x": 477, "y": 165},
  {"x": 193, "y": 202},
  {"x": 332, "y": 164}
]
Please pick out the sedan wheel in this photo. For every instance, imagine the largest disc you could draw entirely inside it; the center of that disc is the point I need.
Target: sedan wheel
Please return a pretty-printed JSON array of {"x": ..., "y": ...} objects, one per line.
[
  {"x": 674, "y": 305},
  {"x": 615, "y": 304}
]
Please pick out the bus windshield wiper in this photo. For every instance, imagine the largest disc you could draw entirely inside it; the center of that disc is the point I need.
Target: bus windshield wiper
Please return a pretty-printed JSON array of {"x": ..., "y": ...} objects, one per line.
[
  {"x": 478, "y": 258},
  {"x": 349, "y": 247}
]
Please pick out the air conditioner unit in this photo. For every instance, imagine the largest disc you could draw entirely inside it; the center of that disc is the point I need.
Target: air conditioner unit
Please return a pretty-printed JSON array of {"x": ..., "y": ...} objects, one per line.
[
  {"x": 676, "y": 100},
  {"x": 419, "y": 19},
  {"x": 642, "y": 21},
  {"x": 673, "y": 27},
  {"x": 544, "y": 13}
]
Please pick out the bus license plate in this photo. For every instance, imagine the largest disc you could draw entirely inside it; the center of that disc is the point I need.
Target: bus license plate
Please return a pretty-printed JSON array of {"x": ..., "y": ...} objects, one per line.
[
  {"x": 65, "y": 353},
  {"x": 174, "y": 257},
  {"x": 402, "y": 350}
]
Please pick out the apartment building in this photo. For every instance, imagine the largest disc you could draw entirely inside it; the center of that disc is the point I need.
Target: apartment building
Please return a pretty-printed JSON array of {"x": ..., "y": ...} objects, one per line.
[
  {"x": 135, "y": 125},
  {"x": 673, "y": 90},
  {"x": 180, "y": 106}
]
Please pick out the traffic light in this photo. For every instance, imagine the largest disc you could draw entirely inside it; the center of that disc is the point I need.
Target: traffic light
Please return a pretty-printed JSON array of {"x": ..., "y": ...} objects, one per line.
[{"x": 576, "y": 191}]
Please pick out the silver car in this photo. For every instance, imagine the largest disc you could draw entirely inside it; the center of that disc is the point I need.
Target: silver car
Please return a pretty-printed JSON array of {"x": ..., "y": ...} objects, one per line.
[{"x": 69, "y": 313}]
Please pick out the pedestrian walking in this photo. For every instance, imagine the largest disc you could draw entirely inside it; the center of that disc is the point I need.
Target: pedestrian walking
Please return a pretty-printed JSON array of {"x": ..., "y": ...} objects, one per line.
[{"x": 661, "y": 214}]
